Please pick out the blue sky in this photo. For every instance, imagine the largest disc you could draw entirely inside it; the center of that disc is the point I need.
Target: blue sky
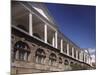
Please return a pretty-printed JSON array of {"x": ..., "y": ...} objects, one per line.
[{"x": 77, "y": 22}]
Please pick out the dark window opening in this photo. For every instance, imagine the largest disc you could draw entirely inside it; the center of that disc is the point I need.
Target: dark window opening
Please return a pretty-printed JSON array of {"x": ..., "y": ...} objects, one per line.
[
  {"x": 40, "y": 56},
  {"x": 66, "y": 62},
  {"x": 60, "y": 60},
  {"x": 21, "y": 51},
  {"x": 52, "y": 59}
]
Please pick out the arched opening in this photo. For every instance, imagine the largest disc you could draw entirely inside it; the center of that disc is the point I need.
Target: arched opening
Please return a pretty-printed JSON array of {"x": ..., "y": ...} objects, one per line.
[
  {"x": 66, "y": 62},
  {"x": 52, "y": 59},
  {"x": 40, "y": 56},
  {"x": 21, "y": 51},
  {"x": 71, "y": 63},
  {"x": 60, "y": 60}
]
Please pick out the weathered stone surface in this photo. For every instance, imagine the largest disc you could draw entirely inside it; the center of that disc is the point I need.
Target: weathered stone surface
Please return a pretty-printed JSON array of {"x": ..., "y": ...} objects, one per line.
[{"x": 31, "y": 66}]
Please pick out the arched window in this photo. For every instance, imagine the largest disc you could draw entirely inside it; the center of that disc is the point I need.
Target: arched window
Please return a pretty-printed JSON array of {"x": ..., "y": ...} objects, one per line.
[
  {"x": 21, "y": 51},
  {"x": 66, "y": 62},
  {"x": 52, "y": 59},
  {"x": 40, "y": 56},
  {"x": 60, "y": 60},
  {"x": 71, "y": 63}
]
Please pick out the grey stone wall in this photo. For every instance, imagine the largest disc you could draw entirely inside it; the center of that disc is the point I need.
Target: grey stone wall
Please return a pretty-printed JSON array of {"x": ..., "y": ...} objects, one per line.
[{"x": 30, "y": 66}]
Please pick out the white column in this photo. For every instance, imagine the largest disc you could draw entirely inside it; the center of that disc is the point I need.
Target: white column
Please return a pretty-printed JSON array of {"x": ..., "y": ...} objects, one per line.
[
  {"x": 81, "y": 56},
  {"x": 17, "y": 55},
  {"x": 67, "y": 49},
  {"x": 36, "y": 59},
  {"x": 84, "y": 57},
  {"x": 30, "y": 24},
  {"x": 53, "y": 41},
  {"x": 56, "y": 40},
  {"x": 25, "y": 56},
  {"x": 87, "y": 59},
  {"x": 91, "y": 61},
  {"x": 76, "y": 54},
  {"x": 61, "y": 45},
  {"x": 73, "y": 52},
  {"x": 42, "y": 60},
  {"x": 45, "y": 33}
]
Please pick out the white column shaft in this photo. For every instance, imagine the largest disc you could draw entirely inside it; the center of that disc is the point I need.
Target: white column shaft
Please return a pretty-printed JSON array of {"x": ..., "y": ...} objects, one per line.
[
  {"x": 53, "y": 41},
  {"x": 67, "y": 49},
  {"x": 72, "y": 51},
  {"x": 45, "y": 33},
  {"x": 30, "y": 24},
  {"x": 17, "y": 54},
  {"x": 36, "y": 59},
  {"x": 61, "y": 45},
  {"x": 87, "y": 59},
  {"x": 56, "y": 39},
  {"x": 76, "y": 54},
  {"x": 81, "y": 56},
  {"x": 84, "y": 57},
  {"x": 25, "y": 56},
  {"x": 90, "y": 60}
]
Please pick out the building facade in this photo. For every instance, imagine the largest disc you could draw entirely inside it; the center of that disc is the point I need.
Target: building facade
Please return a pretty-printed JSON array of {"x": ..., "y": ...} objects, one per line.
[{"x": 37, "y": 45}]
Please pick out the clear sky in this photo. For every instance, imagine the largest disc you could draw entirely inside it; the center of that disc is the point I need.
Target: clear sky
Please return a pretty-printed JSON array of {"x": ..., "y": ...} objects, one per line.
[{"x": 77, "y": 22}]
